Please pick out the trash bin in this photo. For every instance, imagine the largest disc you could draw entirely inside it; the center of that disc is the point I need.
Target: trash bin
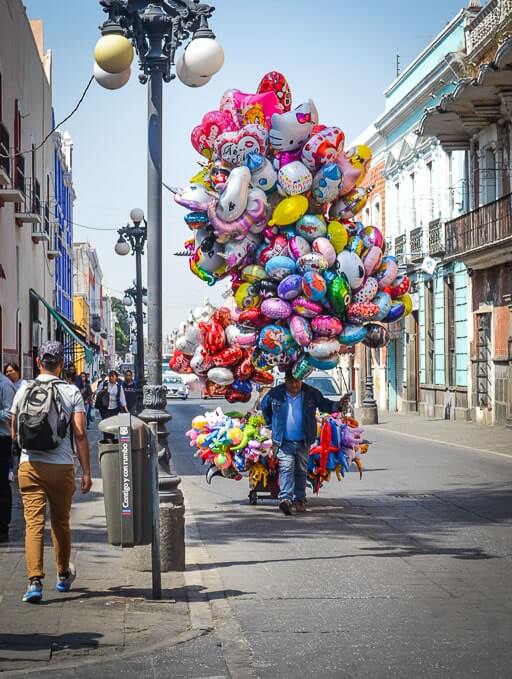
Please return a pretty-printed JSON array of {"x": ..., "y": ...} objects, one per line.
[{"x": 126, "y": 472}]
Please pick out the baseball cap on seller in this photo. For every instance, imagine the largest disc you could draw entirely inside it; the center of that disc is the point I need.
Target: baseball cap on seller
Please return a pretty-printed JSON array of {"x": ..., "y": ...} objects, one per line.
[{"x": 51, "y": 352}]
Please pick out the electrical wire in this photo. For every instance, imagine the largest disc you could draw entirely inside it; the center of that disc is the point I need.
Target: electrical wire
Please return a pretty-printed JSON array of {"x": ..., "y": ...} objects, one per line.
[{"x": 32, "y": 150}]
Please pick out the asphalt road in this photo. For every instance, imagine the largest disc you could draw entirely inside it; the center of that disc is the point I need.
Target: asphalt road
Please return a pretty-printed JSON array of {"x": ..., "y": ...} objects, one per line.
[{"x": 405, "y": 573}]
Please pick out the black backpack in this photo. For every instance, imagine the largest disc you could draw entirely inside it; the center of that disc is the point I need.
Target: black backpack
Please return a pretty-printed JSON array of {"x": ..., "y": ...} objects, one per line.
[{"x": 41, "y": 423}]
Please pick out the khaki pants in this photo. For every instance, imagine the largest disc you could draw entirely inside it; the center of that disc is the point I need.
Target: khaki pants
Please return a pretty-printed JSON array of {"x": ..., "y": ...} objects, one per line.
[{"x": 39, "y": 481}]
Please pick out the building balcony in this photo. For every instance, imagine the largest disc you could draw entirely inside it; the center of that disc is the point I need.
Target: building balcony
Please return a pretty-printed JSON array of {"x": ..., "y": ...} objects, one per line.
[
  {"x": 416, "y": 241},
  {"x": 53, "y": 247},
  {"x": 435, "y": 238},
  {"x": 483, "y": 237},
  {"x": 14, "y": 190},
  {"x": 400, "y": 243},
  {"x": 28, "y": 210},
  {"x": 96, "y": 323},
  {"x": 487, "y": 25},
  {"x": 39, "y": 235}
]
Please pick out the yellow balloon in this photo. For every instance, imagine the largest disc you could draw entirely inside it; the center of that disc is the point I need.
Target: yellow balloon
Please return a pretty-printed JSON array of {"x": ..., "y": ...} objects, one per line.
[
  {"x": 407, "y": 302},
  {"x": 201, "y": 177},
  {"x": 360, "y": 157},
  {"x": 245, "y": 297},
  {"x": 289, "y": 210},
  {"x": 253, "y": 273},
  {"x": 338, "y": 235},
  {"x": 113, "y": 53}
]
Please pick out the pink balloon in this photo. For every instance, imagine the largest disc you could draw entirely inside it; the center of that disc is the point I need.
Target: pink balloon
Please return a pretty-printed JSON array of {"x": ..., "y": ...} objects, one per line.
[
  {"x": 350, "y": 174},
  {"x": 213, "y": 124},
  {"x": 301, "y": 330},
  {"x": 256, "y": 108}
]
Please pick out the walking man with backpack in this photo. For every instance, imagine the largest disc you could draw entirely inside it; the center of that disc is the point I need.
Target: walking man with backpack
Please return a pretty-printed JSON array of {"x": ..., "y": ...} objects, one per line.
[{"x": 45, "y": 412}]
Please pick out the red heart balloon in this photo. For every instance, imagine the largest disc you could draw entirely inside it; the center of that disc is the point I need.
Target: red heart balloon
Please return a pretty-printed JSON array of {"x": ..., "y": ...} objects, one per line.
[
  {"x": 273, "y": 81},
  {"x": 277, "y": 246}
]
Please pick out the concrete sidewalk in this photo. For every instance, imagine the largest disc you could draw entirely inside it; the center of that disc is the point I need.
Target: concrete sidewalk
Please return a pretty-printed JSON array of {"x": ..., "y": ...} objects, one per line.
[
  {"x": 497, "y": 440},
  {"x": 108, "y": 611}
]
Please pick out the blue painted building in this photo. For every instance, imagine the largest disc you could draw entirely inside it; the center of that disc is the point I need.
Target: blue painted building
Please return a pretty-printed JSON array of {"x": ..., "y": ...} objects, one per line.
[
  {"x": 424, "y": 367},
  {"x": 61, "y": 216}
]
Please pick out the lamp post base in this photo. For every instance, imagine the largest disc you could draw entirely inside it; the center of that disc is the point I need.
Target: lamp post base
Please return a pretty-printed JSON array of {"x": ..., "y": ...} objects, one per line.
[
  {"x": 368, "y": 413},
  {"x": 172, "y": 509}
]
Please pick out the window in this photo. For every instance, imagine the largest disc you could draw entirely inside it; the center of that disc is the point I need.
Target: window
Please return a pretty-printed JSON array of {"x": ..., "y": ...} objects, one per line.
[
  {"x": 439, "y": 328},
  {"x": 461, "y": 324},
  {"x": 376, "y": 215},
  {"x": 397, "y": 208},
  {"x": 450, "y": 335},
  {"x": 430, "y": 190},
  {"x": 489, "y": 176},
  {"x": 430, "y": 332},
  {"x": 412, "y": 179}
]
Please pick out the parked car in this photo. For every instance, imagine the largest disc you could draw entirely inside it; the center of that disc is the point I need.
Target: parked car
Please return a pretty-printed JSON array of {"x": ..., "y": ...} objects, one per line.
[{"x": 176, "y": 387}]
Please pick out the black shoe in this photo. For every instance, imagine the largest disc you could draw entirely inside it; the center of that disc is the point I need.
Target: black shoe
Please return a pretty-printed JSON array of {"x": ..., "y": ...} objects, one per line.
[{"x": 286, "y": 507}]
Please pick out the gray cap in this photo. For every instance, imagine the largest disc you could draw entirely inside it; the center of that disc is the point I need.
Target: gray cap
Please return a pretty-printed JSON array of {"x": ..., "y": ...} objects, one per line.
[{"x": 51, "y": 352}]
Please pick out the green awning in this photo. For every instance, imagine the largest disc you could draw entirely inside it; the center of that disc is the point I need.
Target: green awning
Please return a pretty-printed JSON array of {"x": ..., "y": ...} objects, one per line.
[{"x": 64, "y": 324}]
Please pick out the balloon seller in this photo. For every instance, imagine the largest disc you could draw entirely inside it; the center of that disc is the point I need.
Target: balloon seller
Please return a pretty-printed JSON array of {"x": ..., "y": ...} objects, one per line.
[
  {"x": 290, "y": 409},
  {"x": 274, "y": 211}
]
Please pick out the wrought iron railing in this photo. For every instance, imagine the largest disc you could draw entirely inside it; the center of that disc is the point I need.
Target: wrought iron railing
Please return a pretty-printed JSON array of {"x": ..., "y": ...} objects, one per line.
[
  {"x": 416, "y": 241},
  {"x": 495, "y": 15},
  {"x": 435, "y": 238},
  {"x": 31, "y": 203},
  {"x": 400, "y": 243},
  {"x": 483, "y": 227},
  {"x": 5, "y": 160},
  {"x": 19, "y": 173}
]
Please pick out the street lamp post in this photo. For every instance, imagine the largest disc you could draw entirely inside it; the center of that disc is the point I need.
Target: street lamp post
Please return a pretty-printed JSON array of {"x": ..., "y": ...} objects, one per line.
[
  {"x": 369, "y": 412},
  {"x": 156, "y": 30},
  {"x": 138, "y": 295},
  {"x": 132, "y": 238}
]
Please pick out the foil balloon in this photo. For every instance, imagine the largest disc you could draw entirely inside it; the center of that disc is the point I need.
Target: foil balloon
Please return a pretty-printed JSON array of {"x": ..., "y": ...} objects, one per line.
[
  {"x": 221, "y": 376},
  {"x": 234, "y": 147},
  {"x": 276, "y": 308},
  {"x": 289, "y": 131},
  {"x": 298, "y": 246},
  {"x": 294, "y": 178},
  {"x": 339, "y": 294},
  {"x": 253, "y": 273},
  {"x": 256, "y": 108},
  {"x": 251, "y": 318},
  {"x": 400, "y": 286},
  {"x": 232, "y": 334},
  {"x": 371, "y": 235},
  {"x": 323, "y": 148},
  {"x": 266, "y": 288},
  {"x": 306, "y": 307},
  {"x": 323, "y": 347},
  {"x": 314, "y": 286},
  {"x": 277, "y": 246},
  {"x": 255, "y": 214},
  {"x": 352, "y": 267},
  {"x": 312, "y": 262},
  {"x": 290, "y": 287},
  {"x": 227, "y": 357},
  {"x": 367, "y": 292},
  {"x": 396, "y": 312},
  {"x": 273, "y": 81},
  {"x": 214, "y": 337},
  {"x": 246, "y": 296},
  {"x": 376, "y": 336},
  {"x": 289, "y": 210},
  {"x": 301, "y": 330},
  {"x": 360, "y": 157},
  {"x": 213, "y": 124},
  {"x": 352, "y": 334},
  {"x": 195, "y": 197},
  {"x": 279, "y": 267},
  {"x": 361, "y": 312},
  {"x": 355, "y": 244},
  {"x": 263, "y": 175},
  {"x": 233, "y": 200},
  {"x": 302, "y": 368},
  {"x": 327, "y": 363},
  {"x": 338, "y": 235},
  {"x": 196, "y": 220},
  {"x": 326, "y": 183},
  {"x": 311, "y": 227},
  {"x": 387, "y": 271},
  {"x": 349, "y": 205},
  {"x": 324, "y": 247},
  {"x": 275, "y": 339},
  {"x": 237, "y": 252},
  {"x": 383, "y": 301},
  {"x": 406, "y": 300},
  {"x": 372, "y": 259},
  {"x": 326, "y": 326}
]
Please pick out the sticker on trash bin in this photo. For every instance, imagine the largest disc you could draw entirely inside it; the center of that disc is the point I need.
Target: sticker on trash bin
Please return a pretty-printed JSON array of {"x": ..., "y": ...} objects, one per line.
[{"x": 125, "y": 462}]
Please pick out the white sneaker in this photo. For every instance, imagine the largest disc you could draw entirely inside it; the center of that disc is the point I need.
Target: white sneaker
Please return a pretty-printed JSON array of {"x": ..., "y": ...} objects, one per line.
[{"x": 64, "y": 582}]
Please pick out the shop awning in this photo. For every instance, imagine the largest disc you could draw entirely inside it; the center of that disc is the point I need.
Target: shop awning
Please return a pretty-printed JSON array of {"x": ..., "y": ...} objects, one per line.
[{"x": 69, "y": 328}]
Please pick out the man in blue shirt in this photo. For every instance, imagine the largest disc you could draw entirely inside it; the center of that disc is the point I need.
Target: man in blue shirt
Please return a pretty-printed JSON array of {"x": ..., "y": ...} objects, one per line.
[{"x": 291, "y": 408}]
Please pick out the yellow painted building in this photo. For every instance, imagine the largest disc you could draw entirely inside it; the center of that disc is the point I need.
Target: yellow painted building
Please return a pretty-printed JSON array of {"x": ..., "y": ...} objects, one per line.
[{"x": 81, "y": 319}]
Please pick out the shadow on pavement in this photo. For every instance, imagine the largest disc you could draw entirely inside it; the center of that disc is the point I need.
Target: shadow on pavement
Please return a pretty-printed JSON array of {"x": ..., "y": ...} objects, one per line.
[{"x": 38, "y": 641}]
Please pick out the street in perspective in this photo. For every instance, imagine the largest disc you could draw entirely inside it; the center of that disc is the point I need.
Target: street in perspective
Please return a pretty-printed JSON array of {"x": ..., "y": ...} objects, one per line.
[{"x": 255, "y": 339}]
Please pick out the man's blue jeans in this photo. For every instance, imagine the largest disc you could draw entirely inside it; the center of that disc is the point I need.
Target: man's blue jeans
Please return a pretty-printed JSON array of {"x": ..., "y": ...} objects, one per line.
[{"x": 293, "y": 470}]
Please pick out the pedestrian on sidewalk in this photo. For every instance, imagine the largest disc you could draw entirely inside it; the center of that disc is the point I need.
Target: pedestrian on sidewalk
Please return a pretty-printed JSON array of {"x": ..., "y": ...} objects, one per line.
[
  {"x": 290, "y": 409},
  {"x": 7, "y": 394},
  {"x": 111, "y": 400},
  {"x": 86, "y": 391},
  {"x": 130, "y": 388},
  {"x": 13, "y": 373},
  {"x": 44, "y": 411}
]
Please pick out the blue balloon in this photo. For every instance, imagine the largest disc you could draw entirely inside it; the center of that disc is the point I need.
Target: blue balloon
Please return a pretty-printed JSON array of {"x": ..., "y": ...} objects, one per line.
[{"x": 352, "y": 334}]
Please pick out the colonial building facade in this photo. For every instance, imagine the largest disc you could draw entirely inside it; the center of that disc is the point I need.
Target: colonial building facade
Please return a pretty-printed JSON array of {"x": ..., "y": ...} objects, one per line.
[{"x": 475, "y": 120}]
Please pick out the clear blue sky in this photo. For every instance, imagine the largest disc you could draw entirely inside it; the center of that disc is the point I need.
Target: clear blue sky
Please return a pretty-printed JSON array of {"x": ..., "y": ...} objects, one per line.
[{"x": 341, "y": 54}]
